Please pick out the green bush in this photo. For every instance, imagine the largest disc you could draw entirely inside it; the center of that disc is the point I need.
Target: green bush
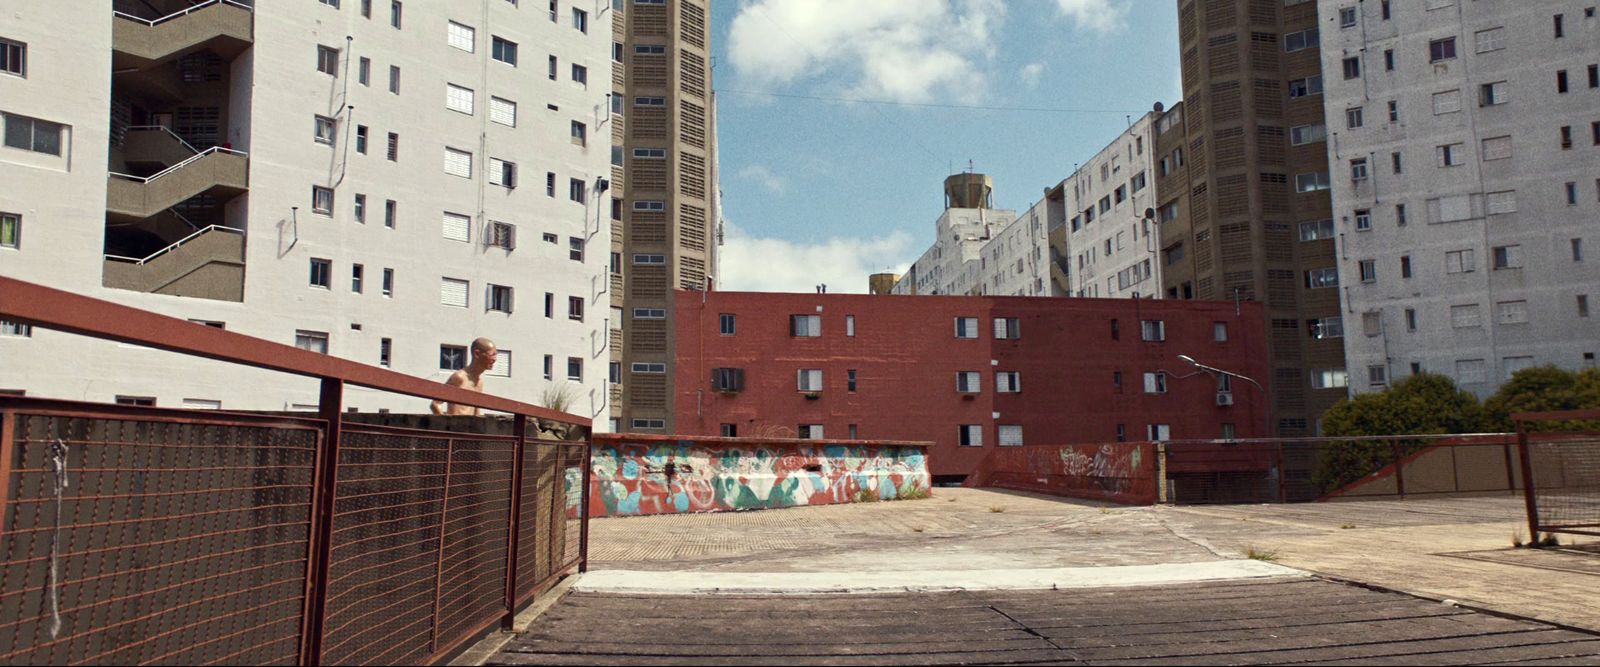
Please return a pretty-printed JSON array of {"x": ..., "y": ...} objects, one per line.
[
  {"x": 1423, "y": 404},
  {"x": 1545, "y": 389}
]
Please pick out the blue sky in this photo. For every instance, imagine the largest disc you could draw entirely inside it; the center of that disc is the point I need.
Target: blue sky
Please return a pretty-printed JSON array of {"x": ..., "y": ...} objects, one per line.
[{"x": 829, "y": 190}]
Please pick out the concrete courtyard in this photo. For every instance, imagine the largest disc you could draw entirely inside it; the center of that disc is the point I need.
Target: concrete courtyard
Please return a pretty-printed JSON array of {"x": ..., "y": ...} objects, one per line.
[{"x": 1431, "y": 581}]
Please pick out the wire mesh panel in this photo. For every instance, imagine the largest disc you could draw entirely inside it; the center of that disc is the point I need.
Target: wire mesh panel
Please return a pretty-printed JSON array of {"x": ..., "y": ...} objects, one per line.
[
  {"x": 477, "y": 530},
  {"x": 160, "y": 538},
  {"x": 551, "y": 478},
  {"x": 1565, "y": 469},
  {"x": 571, "y": 512}
]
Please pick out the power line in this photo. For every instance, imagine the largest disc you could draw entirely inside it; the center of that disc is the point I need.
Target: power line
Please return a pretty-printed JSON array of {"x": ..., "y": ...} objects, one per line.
[{"x": 934, "y": 105}]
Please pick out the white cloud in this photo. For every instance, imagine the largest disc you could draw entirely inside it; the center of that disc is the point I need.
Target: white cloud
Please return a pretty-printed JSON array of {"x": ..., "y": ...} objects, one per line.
[
  {"x": 754, "y": 264},
  {"x": 1103, "y": 16},
  {"x": 903, "y": 50},
  {"x": 762, "y": 176},
  {"x": 1031, "y": 73}
]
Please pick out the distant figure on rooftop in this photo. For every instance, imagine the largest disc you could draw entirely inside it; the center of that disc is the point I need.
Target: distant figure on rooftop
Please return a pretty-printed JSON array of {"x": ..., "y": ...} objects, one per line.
[{"x": 469, "y": 378}]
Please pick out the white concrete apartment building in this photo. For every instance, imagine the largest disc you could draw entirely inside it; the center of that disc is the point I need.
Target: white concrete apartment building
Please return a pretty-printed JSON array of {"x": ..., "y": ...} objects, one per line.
[
  {"x": 977, "y": 248},
  {"x": 1112, "y": 243},
  {"x": 1464, "y": 142},
  {"x": 373, "y": 179}
]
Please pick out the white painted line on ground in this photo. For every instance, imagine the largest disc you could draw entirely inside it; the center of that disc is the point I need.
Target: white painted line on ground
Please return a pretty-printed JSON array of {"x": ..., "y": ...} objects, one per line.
[{"x": 810, "y": 583}]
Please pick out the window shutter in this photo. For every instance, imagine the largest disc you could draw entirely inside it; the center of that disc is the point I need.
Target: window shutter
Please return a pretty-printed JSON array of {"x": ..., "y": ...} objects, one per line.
[
  {"x": 461, "y": 36},
  {"x": 457, "y": 227},
  {"x": 458, "y": 98},
  {"x": 457, "y": 163},
  {"x": 1010, "y": 435},
  {"x": 503, "y": 112},
  {"x": 453, "y": 292}
]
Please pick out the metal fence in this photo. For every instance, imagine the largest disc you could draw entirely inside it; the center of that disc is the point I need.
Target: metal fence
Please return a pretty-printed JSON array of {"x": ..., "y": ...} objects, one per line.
[
  {"x": 135, "y": 535},
  {"x": 1560, "y": 456}
]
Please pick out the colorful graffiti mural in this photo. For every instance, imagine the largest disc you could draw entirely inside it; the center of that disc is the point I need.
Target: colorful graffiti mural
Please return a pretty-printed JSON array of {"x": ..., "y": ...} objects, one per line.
[
  {"x": 635, "y": 476},
  {"x": 1119, "y": 472}
]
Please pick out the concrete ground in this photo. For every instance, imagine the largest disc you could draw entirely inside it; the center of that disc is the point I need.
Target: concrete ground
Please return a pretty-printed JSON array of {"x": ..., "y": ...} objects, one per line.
[{"x": 1453, "y": 550}]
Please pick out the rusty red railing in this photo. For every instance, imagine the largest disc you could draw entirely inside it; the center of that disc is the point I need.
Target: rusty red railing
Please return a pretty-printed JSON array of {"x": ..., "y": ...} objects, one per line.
[
  {"x": 138, "y": 535},
  {"x": 1559, "y": 454}
]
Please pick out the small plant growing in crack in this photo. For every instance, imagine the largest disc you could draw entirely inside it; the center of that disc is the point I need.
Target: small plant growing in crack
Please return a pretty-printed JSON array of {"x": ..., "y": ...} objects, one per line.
[
  {"x": 997, "y": 508},
  {"x": 1254, "y": 552},
  {"x": 1346, "y": 526}
]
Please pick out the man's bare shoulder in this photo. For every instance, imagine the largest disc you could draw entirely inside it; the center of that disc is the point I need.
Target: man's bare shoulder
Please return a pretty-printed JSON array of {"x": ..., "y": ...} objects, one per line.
[{"x": 458, "y": 379}]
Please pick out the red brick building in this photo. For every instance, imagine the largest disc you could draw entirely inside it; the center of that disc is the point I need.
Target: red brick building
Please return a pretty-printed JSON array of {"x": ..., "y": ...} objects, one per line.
[{"x": 967, "y": 373}]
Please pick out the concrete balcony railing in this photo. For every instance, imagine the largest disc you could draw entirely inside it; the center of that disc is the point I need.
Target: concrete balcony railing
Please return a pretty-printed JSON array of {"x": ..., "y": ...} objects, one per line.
[
  {"x": 217, "y": 171},
  {"x": 224, "y": 26},
  {"x": 208, "y": 264}
]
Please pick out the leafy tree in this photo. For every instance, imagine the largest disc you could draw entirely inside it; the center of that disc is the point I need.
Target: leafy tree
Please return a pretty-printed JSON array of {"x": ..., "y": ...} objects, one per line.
[
  {"x": 1423, "y": 404},
  {"x": 1544, "y": 389}
]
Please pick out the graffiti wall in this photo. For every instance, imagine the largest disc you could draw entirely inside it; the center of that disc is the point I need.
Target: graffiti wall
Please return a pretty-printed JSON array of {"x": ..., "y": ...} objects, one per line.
[
  {"x": 638, "y": 475},
  {"x": 1118, "y": 472}
]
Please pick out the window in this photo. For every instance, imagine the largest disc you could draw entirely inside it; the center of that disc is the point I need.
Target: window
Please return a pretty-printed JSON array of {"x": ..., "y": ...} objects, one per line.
[
  {"x": 1358, "y": 172},
  {"x": 502, "y": 173},
  {"x": 1352, "y": 68},
  {"x": 14, "y": 58},
  {"x": 649, "y": 313},
  {"x": 452, "y": 357},
  {"x": 1400, "y": 215},
  {"x": 1560, "y": 29},
  {"x": 1470, "y": 371},
  {"x": 1354, "y": 117},
  {"x": 810, "y": 431},
  {"x": 1010, "y": 435},
  {"x": 1314, "y": 230},
  {"x": 388, "y": 282},
  {"x": 503, "y": 111},
  {"x": 1372, "y": 323},
  {"x": 575, "y": 249},
  {"x": 726, "y": 323},
  {"x": 1465, "y": 316},
  {"x": 1388, "y": 60},
  {"x": 1369, "y": 270},
  {"x": 457, "y": 162},
  {"x": 580, "y": 134},
  {"x": 1307, "y": 134},
  {"x": 1153, "y": 330},
  {"x": 394, "y": 79},
  {"x": 325, "y": 131},
  {"x": 389, "y": 212},
  {"x": 1496, "y": 148},
  {"x": 1299, "y": 41},
  {"x": 575, "y": 308},
  {"x": 358, "y": 275},
  {"x": 453, "y": 292},
  {"x": 1450, "y": 155},
  {"x": 1116, "y": 333},
  {"x": 553, "y": 65},
  {"x": 966, "y": 327},
  {"x": 1492, "y": 39},
  {"x": 499, "y": 298},
  {"x": 1594, "y": 76},
  {"x": 394, "y": 14},
  {"x": 1008, "y": 382},
  {"x": 649, "y": 260},
  {"x": 1411, "y": 319},
  {"x": 460, "y": 36},
  {"x": 321, "y": 270},
  {"x": 808, "y": 380},
  {"x": 1219, "y": 332},
  {"x": 1394, "y": 112},
  {"x": 393, "y": 152},
  {"x": 10, "y": 230},
  {"x": 361, "y": 139},
  {"x": 575, "y": 368},
  {"x": 457, "y": 227},
  {"x": 549, "y": 305},
  {"x": 458, "y": 98},
  {"x": 970, "y": 435},
  {"x": 1311, "y": 85},
  {"x": 1583, "y": 305},
  {"x": 1491, "y": 94},
  {"x": 328, "y": 60},
  {"x": 1322, "y": 278},
  {"x": 1561, "y": 81},
  {"x": 502, "y": 235},
  {"x": 1405, "y": 266},
  {"x": 1329, "y": 378},
  {"x": 580, "y": 20},
  {"x": 1347, "y": 17},
  {"x": 1442, "y": 49},
  {"x": 722, "y": 379},
  {"x": 385, "y": 351},
  {"x": 1577, "y": 250},
  {"x": 1507, "y": 257},
  {"x": 505, "y": 51},
  {"x": 315, "y": 341},
  {"x": 649, "y": 423},
  {"x": 1155, "y": 383},
  {"x": 580, "y": 74},
  {"x": 1459, "y": 261},
  {"x": 1007, "y": 328},
  {"x": 1311, "y": 182},
  {"x": 321, "y": 200},
  {"x": 969, "y": 382},
  {"x": 1511, "y": 312},
  {"x": 32, "y": 134},
  {"x": 1448, "y": 101},
  {"x": 14, "y": 329},
  {"x": 364, "y": 71},
  {"x": 649, "y": 101},
  {"x": 805, "y": 326}
]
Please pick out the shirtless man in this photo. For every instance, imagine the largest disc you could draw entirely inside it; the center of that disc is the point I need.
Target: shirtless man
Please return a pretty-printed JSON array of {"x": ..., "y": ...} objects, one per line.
[{"x": 469, "y": 378}]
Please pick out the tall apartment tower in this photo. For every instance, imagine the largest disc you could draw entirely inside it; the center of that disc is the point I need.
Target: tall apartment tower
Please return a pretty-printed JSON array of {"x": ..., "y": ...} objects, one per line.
[
  {"x": 664, "y": 210},
  {"x": 1111, "y": 239},
  {"x": 1257, "y": 200},
  {"x": 1466, "y": 175},
  {"x": 379, "y": 180},
  {"x": 976, "y": 244}
]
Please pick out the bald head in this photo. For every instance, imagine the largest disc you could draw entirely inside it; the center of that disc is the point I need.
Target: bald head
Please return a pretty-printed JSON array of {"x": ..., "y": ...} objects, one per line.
[{"x": 482, "y": 344}]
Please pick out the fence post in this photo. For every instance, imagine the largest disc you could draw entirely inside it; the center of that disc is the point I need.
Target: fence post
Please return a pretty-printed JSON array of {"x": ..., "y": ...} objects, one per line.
[
  {"x": 1527, "y": 484},
  {"x": 1399, "y": 469},
  {"x": 1283, "y": 485},
  {"x": 583, "y": 525},
  {"x": 331, "y": 411},
  {"x": 520, "y": 429}
]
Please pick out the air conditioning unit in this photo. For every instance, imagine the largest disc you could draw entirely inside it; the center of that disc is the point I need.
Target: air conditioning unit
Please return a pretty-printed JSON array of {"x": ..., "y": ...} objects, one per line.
[{"x": 1224, "y": 398}]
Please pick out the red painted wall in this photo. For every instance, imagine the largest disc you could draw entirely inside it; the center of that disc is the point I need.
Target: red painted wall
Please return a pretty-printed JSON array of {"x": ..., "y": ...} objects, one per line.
[{"x": 906, "y": 356}]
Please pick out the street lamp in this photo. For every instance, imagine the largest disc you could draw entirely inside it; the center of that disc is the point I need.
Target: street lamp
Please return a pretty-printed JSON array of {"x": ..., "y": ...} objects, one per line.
[{"x": 1214, "y": 370}]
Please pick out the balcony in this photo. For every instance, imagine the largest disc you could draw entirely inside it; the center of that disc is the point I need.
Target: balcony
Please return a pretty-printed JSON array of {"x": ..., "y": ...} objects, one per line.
[
  {"x": 208, "y": 264},
  {"x": 152, "y": 148},
  {"x": 218, "y": 172},
  {"x": 223, "y": 26}
]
